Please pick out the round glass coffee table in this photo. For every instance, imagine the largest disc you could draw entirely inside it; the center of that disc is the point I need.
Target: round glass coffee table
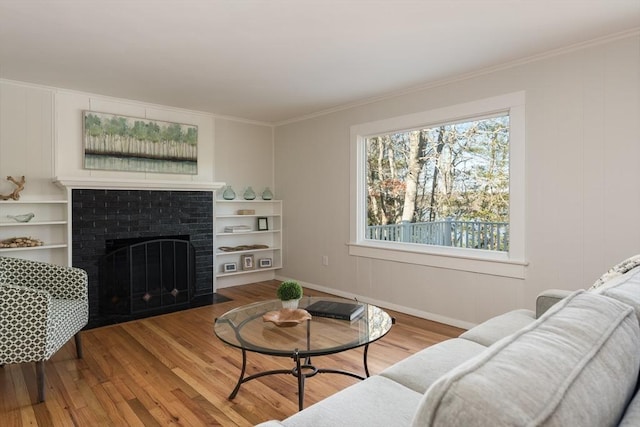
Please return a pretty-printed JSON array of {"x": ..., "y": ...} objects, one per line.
[{"x": 245, "y": 329}]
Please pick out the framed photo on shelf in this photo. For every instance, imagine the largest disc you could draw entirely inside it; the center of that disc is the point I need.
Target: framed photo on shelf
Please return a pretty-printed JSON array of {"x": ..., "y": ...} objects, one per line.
[
  {"x": 265, "y": 263},
  {"x": 247, "y": 262},
  {"x": 263, "y": 223},
  {"x": 229, "y": 267}
]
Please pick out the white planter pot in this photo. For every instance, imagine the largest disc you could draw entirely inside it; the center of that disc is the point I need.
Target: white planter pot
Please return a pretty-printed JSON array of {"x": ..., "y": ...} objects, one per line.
[{"x": 292, "y": 303}]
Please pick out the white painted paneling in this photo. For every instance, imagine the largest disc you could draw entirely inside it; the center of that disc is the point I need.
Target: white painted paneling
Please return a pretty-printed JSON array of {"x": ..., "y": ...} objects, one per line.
[
  {"x": 582, "y": 197},
  {"x": 26, "y": 148},
  {"x": 26, "y": 136},
  {"x": 244, "y": 156},
  {"x": 68, "y": 150},
  {"x": 621, "y": 150},
  {"x": 593, "y": 170},
  {"x": 13, "y": 119},
  {"x": 69, "y": 142}
]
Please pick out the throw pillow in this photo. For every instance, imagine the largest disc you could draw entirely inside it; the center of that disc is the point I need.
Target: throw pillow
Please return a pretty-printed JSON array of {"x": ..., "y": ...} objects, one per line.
[{"x": 617, "y": 270}]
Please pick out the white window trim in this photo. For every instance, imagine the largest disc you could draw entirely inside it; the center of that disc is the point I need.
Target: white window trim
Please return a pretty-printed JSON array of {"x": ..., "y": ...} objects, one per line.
[{"x": 511, "y": 264}]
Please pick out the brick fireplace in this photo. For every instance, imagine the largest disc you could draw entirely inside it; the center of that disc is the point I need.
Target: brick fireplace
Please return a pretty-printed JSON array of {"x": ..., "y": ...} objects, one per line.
[{"x": 101, "y": 216}]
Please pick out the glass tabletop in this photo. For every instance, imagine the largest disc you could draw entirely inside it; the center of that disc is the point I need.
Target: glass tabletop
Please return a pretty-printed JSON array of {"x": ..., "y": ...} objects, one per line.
[{"x": 244, "y": 328}]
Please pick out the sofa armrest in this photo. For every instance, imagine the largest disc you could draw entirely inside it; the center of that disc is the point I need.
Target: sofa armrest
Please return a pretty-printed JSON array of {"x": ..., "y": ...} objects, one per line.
[
  {"x": 548, "y": 298},
  {"x": 61, "y": 282}
]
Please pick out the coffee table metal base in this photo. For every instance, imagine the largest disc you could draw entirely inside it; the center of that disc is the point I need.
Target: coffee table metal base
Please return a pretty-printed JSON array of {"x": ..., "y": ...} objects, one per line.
[{"x": 302, "y": 371}]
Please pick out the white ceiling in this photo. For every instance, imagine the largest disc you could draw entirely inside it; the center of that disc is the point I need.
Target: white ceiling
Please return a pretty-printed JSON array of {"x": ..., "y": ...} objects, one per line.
[{"x": 275, "y": 60}]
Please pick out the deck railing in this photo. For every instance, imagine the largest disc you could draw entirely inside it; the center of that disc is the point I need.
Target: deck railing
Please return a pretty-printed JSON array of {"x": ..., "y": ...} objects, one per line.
[{"x": 448, "y": 232}]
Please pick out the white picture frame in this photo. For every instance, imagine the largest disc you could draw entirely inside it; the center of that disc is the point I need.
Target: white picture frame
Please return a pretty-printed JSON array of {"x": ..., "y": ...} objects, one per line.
[
  {"x": 229, "y": 267},
  {"x": 265, "y": 263}
]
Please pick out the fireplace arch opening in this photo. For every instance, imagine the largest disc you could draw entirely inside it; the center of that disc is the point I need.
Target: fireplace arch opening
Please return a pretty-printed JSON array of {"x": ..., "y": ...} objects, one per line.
[{"x": 145, "y": 276}]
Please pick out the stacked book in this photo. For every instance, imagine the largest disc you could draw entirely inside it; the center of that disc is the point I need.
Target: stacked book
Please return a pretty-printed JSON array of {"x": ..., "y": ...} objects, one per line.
[
  {"x": 237, "y": 229},
  {"x": 336, "y": 310}
]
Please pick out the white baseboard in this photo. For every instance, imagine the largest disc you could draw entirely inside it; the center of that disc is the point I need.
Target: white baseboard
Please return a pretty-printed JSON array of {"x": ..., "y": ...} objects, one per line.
[{"x": 385, "y": 304}]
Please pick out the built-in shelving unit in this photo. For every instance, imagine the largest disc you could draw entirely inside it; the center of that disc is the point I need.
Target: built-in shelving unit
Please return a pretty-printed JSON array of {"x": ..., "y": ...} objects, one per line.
[
  {"x": 228, "y": 213},
  {"x": 48, "y": 225}
]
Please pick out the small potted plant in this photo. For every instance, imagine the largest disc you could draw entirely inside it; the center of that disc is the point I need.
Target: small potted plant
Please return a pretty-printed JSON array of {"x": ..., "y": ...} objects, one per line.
[{"x": 289, "y": 292}]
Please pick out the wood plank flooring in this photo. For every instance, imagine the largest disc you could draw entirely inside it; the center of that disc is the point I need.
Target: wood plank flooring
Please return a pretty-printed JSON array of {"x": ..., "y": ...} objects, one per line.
[{"x": 172, "y": 370}]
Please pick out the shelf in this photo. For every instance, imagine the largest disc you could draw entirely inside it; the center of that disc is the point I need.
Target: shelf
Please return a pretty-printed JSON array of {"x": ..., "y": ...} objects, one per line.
[
  {"x": 32, "y": 202},
  {"x": 35, "y": 248},
  {"x": 255, "y": 270},
  {"x": 246, "y": 251},
  {"x": 50, "y": 224},
  {"x": 245, "y": 201},
  {"x": 227, "y": 215},
  {"x": 247, "y": 216},
  {"x": 248, "y": 232},
  {"x": 18, "y": 224}
]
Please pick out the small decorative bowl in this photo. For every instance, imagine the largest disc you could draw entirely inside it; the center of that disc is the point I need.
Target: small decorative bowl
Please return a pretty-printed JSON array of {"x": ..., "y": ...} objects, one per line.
[
  {"x": 22, "y": 218},
  {"x": 286, "y": 317}
]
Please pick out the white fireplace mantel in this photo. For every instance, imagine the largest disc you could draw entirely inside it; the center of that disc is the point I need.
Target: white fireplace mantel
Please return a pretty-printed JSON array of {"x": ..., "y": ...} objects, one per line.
[{"x": 135, "y": 184}]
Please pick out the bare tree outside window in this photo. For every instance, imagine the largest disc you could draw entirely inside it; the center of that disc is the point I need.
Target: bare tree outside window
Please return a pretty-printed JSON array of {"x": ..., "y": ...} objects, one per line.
[{"x": 442, "y": 185}]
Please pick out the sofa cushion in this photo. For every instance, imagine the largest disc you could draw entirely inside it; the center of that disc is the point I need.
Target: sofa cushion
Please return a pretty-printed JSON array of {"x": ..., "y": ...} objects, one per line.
[
  {"x": 499, "y": 327},
  {"x": 576, "y": 365},
  {"x": 632, "y": 415},
  {"x": 376, "y": 401},
  {"x": 625, "y": 288},
  {"x": 422, "y": 369}
]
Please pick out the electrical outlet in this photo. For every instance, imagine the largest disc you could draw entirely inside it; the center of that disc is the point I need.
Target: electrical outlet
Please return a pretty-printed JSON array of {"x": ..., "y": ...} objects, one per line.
[{"x": 325, "y": 260}]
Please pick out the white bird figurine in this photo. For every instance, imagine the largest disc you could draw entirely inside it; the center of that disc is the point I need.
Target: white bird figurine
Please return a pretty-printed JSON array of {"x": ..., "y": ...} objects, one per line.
[{"x": 22, "y": 218}]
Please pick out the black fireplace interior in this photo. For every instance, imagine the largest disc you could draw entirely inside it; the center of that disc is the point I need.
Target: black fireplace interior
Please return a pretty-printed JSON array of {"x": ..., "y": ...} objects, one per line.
[
  {"x": 146, "y": 276},
  {"x": 159, "y": 244}
]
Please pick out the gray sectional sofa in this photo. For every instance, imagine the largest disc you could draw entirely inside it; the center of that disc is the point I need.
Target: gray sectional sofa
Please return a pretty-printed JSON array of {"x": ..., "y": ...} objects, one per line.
[{"x": 575, "y": 362}]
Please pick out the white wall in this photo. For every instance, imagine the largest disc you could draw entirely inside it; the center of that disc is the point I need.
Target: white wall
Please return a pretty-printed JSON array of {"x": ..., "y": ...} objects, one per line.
[
  {"x": 582, "y": 175},
  {"x": 41, "y": 138}
]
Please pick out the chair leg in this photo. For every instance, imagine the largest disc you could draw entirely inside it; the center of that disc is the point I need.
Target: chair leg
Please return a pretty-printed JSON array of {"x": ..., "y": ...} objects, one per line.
[
  {"x": 40, "y": 378},
  {"x": 78, "y": 345}
]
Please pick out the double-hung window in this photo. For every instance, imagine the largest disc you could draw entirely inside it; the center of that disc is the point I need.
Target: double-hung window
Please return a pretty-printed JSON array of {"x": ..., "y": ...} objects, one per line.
[{"x": 443, "y": 187}]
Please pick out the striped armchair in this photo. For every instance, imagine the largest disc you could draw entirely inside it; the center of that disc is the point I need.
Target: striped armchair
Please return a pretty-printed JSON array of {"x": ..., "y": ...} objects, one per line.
[{"x": 41, "y": 307}]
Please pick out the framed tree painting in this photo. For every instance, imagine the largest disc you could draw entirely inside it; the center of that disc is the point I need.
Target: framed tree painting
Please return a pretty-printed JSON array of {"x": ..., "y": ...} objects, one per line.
[{"x": 120, "y": 143}]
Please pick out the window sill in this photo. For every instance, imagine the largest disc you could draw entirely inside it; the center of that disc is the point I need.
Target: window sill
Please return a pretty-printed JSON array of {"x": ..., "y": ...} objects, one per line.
[{"x": 483, "y": 262}]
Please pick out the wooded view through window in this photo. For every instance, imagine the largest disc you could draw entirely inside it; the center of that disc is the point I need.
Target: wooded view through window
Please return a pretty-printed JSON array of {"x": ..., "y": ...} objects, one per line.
[{"x": 444, "y": 185}]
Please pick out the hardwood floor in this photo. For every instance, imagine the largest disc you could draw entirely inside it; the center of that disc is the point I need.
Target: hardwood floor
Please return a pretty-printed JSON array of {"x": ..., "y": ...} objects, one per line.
[{"x": 172, "y": 370}]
